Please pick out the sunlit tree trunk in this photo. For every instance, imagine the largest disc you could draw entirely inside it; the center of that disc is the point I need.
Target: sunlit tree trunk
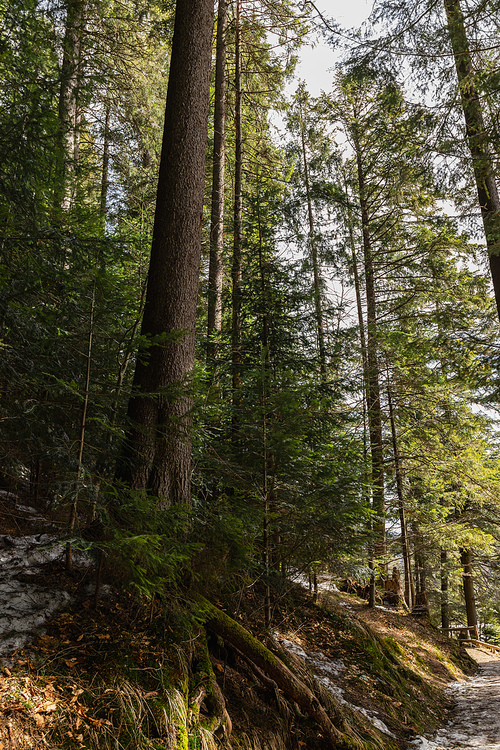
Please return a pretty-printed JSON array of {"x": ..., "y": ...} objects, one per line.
[
  {"x": 468, "y": 583},
  {"x": 364, "y": 356},
  {"x": 217, "y": 217},
  {"x": 105, "y": 166},
  {"x": 318, "y": 308},
  {"x": 445, "y": 607},
  {"x": 69, "y": 112},
  {"x": 405, "y": 550},
  {"x": 236, "y": 271},
  {"x": 372, "y": 380}
]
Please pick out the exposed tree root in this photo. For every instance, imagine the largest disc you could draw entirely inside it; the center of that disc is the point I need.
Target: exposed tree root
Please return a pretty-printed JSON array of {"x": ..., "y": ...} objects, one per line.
[
  {"x": 209, "y": 694},
  {"x": 274, "y": 669}
]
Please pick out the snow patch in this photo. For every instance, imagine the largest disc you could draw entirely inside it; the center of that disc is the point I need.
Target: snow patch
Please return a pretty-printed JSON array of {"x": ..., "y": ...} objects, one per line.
[
  {"x": 324, "y": 669},
  {"x": 25, "y": 606},
  {"x": 422, "y": 744}
]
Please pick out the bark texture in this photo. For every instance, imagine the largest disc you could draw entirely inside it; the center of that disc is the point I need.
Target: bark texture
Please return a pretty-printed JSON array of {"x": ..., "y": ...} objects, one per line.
[
  {"x": 478, "y": 140},
  {"x": 69, "y": 111},
  {"x": 217, "y": 215},
  {"x": 318, "y": 307},
  {"x": 445, "y": 607},
  {"x": 468, "y": 582},
  {"x": 157, "y": 450},
  {"x": 236, "y": 270},
  {"x": 405, "y": 548}
]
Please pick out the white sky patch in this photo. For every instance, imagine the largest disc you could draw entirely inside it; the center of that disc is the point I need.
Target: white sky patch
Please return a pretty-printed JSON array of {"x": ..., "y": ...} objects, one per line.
[{"x": 316, "y": 62}]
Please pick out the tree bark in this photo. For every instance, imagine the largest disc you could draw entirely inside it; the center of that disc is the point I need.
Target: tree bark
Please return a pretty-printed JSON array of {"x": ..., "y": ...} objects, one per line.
[
  {"x": 468, "y": 582},
  {"x": 478, "y": 140},
  {"x": 267, "y": 458},
  {"x": 372, "y": 591},
  {"x": 218, "y": 179},
  {"x": 445, "y": 607},
  {"x": 236, "y": 270},
  {"x": 372, "y": 379},
  {"x": 157, "y": 449},
  {"x": 405, "y": 550},
  {"x": 320, "y": 329},
  {"x": 103, "y": 208},
  {"x": 69, "y": 116}
]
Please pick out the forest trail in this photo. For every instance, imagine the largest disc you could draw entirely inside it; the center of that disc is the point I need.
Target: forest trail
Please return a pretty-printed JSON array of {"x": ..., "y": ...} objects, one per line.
[{"x": 475, "y": 722}]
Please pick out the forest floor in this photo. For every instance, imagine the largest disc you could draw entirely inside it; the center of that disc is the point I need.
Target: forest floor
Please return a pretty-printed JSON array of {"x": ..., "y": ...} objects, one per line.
[{"x": 120, "y": 676}]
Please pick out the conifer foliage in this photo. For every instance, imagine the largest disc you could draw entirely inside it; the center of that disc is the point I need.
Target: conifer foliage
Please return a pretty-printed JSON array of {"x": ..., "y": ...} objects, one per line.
[{"x": 273, "y": 357}]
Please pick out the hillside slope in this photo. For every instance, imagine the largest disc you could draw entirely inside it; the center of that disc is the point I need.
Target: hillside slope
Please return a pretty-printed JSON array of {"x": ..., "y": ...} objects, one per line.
[{"x": 137, "y": 675}]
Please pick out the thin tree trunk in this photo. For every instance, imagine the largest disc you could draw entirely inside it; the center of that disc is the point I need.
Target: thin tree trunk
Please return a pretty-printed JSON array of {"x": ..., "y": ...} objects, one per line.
[
  {"x": 236, "y": 271},
  {"x": 373, "y": 386},
  {"x": 364, "y": 356},
  {"x": 478, "y": 140},
  {"x": 217, "y": 217},
  {"x": 105, "y": 166},
  {"x": 401, "y": 505},
  {"x": 128, "y": 350},
  {"x": 83, "y": 426},
  {"x": 314, "y": 258},
  {"x": 69, "y": 116},
  {"x": 157, "y": 449},
  {"x": 445, "y": 607},
  {"x": 267, "y": 460}
]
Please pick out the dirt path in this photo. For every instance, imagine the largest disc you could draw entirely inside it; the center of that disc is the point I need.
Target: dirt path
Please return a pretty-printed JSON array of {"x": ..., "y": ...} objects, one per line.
[{"x": 475, "y": 723}]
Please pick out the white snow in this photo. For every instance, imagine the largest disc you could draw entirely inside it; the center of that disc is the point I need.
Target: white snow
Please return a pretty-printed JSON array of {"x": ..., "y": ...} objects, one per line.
[
  {"x": 25, "y": 606},
  {"x": 324, "y": 670}
]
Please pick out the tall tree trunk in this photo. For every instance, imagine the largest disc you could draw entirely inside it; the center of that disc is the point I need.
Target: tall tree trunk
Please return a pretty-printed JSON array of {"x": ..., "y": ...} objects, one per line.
[
  {"x": 364, "y": 356},
  {"x": 405, "y": 550},
  {"x": 320, "y": 329},
  {"x": 157, "y": 449},
  {"x": 468, "y": 582},
  {"x": 105, "y": 166},
  {"x": 236, "y": 271},
  {"x": 267, "y": 458},
  {"x": 83, "y": 427},
  {"x": 69, "y": 114},
  {"x": 478, "y": 140},
  {"x": 217, "y": 217},
  {"x": 372, "y": 380},
  {"x": 445, "y": 607}
]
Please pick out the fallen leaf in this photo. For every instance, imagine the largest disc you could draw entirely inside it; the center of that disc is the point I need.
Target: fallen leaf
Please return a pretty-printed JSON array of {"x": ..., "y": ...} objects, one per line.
[
  {"x": 39, "y": 720},
  {"x": 46, "y": 708}
]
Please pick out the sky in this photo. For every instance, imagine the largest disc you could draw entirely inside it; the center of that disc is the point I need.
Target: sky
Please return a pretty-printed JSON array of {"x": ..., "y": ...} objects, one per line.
[{"x": 315, "y": 62}]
